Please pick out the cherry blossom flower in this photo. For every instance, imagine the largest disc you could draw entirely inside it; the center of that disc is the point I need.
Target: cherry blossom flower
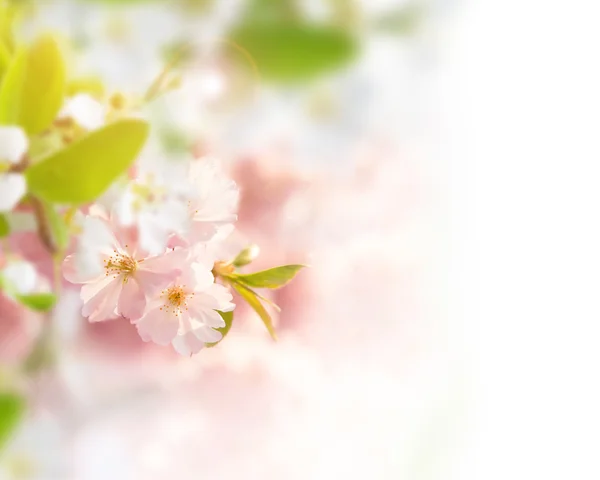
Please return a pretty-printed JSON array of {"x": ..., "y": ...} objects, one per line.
[
  {"x": 184, "y": 313},
  {"x": 13, "y": 145},
  {"x": 216, "y": 200},
  {"x": 155, "y": 201},
  {"x": 115, "y": 272},
  {"x": 85, "y": 110}
]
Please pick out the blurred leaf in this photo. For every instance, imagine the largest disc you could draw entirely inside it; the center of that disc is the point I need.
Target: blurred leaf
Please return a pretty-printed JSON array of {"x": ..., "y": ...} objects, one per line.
[
  {"x": 7, "y": 19},
  {"x": 273, "y": 11},
  {"x": 86, "y": 168},
  {"x": 90, "y": 85},
  {"x": 4, "y": 58},
  {"x": 58, "y": 226},
  {"x": 12, "y": 408},
  {"x": 40, "y": 302},
  {"x": 246, "y": 256},
  {"x": 291, "y": 53},
  {"x": 228, "y": 317},
  {"x": 272, "y": 278},
  {"x": 402, "y": 21},
  {"x": 4, "y": 226},
  {"x": 33, "y": 89},
  {"x": 258, "y": 307}
]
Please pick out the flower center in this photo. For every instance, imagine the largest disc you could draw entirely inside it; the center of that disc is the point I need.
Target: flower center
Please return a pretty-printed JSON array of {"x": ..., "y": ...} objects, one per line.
[
  {"x": 120, "y": 264},
  {"x": 175, "y": 299}
]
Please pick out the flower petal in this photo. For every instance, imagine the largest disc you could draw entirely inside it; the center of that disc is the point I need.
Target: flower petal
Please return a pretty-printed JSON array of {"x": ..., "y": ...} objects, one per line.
[
  {"x": 187, "y": 344},
  {"x": 74, "y": 274},
  {"x": 13, "y": 144},
  {"x": 158, "y": 326},
  {"x": 101, "y": 306},
  {"x": 132, "y": 301},
  {"x": 12, "y": 189},
  {"x": 85, "y": 110}
]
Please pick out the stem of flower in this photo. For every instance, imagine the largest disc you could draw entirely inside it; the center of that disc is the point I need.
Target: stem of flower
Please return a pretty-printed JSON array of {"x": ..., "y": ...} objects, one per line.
[{"x": 44, "y": 228}]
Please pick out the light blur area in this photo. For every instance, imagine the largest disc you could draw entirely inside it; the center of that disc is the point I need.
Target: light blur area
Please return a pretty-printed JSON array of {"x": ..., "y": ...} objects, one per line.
[
  {"x": 434, "y": 164},
  {"x": 334, "y": 151}
]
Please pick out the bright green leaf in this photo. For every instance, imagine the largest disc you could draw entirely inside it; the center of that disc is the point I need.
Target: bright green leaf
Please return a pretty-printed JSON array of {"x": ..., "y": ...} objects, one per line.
[
  {"x": 291, "y": 53},
  {"x": 258, "y": 307},
  {"x": 272, "y": 278},
  {"x": 228, "y": 317},
  {"x": 4, "y": 226},
  {"x": 40, "y": 302},
  {"x": 33, "y": 89},
  {"x": 86, "y": 168},
  {"x": 246, "y": 256},
  {"x": 12, "y": 408}
]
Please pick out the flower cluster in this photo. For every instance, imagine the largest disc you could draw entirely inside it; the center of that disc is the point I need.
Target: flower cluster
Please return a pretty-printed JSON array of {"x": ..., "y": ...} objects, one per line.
[
  {"x": 146, "y": 255},
  {"x": 142, "y": 231}
]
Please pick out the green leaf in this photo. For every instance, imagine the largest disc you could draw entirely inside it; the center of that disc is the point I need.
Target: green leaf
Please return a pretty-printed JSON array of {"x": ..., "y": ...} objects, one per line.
[
  {"x": 258, "y": 307},
  {"x": 4, "y": 226},
  {"x": 228, "y": 317},
  {"x": 12, "y": 408},
  {"x": 86, "y": 168},
  {"x": 272, "y": 278},
  {"x": 246, "y": 256},
  {"x": 33, "y": 89},
  {"x": 4, "y": 58},
  {"x": 291, "y": 53},
  {"x": 40, "y": 302}
]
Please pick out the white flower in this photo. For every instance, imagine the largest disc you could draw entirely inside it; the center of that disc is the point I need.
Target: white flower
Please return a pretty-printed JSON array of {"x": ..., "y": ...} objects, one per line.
[
  {"x": 85, "y": 110},
  {"x": 216, "y": 201},
  {"x": 21, "y": 277},
  {"x": 13, "y": 145},
  {"x": 156, "y": 202}
]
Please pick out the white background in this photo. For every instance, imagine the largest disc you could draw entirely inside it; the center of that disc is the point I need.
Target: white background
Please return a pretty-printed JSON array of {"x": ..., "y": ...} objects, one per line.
[{"x": 521, "y": 102}]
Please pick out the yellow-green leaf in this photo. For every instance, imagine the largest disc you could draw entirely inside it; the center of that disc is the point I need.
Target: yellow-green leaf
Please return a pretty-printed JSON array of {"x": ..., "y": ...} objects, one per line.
[
  {"x": 40, "y": 302},
  {"x": 12, "y": 407},
  {"x": 85, "y": 169},
  {"x": 33, "y": 88},
  {"x": 228, "y": 318},
  {"x": 250, "y": 297},
  {"x": 4, "y": 226},
  {"x": 4, "y": 58},
  {"x": 272, "y": 278}
]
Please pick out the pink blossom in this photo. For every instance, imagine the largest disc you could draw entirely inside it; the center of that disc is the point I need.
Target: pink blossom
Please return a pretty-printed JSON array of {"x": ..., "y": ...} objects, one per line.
[
  {"x": 216, "y": 200},
  {"x": 116, "y": 274},
  {"x": 184, "y": 313}
]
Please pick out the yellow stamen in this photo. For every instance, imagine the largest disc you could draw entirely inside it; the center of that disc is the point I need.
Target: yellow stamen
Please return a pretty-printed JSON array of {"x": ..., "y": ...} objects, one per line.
[{"x": 120, "y": 264}]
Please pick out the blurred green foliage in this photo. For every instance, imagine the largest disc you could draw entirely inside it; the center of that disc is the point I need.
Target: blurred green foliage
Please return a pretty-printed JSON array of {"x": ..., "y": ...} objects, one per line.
[
  {"x": 12, "y": 408},
  {"x": 4, "y": 226},
  {"x": 294, "y": 52},
  {"x": 40, "y": 302}
]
